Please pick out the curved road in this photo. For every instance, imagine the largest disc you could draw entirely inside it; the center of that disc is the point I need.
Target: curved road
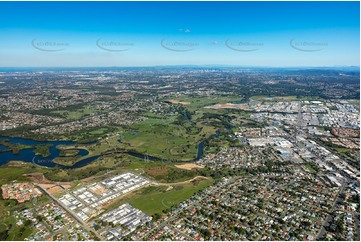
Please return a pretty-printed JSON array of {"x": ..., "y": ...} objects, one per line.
[{"x": 182, "y": 182}]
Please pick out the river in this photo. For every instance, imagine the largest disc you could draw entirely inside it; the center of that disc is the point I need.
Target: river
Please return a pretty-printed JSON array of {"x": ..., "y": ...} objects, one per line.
[
  {"x": 187, "y": 117},
  {"x": 28, "y": 155}
]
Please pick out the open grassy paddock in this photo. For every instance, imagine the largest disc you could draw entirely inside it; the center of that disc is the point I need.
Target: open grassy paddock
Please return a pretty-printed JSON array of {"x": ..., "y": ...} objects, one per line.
[
  {"x": 155, "y": 199},
  {"x": 165, "y": 139},
  {"x": 76, "y": 113}
]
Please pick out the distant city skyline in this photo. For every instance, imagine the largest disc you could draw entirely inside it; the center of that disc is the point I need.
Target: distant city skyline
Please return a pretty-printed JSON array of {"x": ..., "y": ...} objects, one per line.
[{"x": 104, "y": 34}]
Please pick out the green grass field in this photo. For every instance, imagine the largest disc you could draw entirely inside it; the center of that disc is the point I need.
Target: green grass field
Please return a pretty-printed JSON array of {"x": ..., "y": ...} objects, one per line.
[
  {"x": 12, "y": 172},
  {"x": 99, "y": 131},
  {"x": 168, "y": 137},
  {"x": 342, "y": 150},
  {"x": 168, "y": 173},
  {"x": 152, "y": 200},
  {"x": 309, "y": 167},
  {"x": 165, "y": 139},
  {"x": 75, "y": 114},
  {"x": 91, "y": 134}
]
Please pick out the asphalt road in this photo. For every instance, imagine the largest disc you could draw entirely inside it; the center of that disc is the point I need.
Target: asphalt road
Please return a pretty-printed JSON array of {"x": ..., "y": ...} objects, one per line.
[
  {"x": 86, "y": 226},
  {"x": 329, "y": 217}
]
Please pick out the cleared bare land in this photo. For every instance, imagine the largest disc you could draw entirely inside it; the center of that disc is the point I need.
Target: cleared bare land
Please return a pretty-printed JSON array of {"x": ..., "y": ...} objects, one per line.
[
  {"x": 98, "y": 190},
  {"x": 178, "y": 102},
  {"x": 188, "y": 166},
  {"x": 50, "y": 186},
  {"x": 54, "y": 190}
]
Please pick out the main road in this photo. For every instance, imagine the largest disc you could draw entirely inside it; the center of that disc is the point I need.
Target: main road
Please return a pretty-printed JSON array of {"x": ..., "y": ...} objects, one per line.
[
  {"x": 80, "y": 221},
  {"x": 329, "y": 217}
]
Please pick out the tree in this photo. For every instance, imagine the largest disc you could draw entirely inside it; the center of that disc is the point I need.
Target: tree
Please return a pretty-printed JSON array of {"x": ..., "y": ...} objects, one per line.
[
  {"x": 27, "y": 223},
  {"x": 156, "y": 216},
  {"x": 206, "y": 233},
  {"x": 339, "y": 227},
  {"x": 96, "y": 226},
  {"x": 40, "y": 218}
]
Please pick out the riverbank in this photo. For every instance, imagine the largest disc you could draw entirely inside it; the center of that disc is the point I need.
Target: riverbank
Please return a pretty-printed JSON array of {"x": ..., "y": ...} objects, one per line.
[
  {"x": 37, "y": 152},
  {"x": 70, "y": 155},
  {"x": 14, "y": 147}
]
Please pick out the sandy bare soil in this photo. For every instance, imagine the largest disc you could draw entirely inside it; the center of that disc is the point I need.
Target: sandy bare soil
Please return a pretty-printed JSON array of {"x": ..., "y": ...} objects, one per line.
[
  {"x": 99, "y": 190},
  {"x": 51, "y": 186},
  {"x": 178, "y": 102},
  {"x": 47, "y": 186},
  {"x": 188, "y": 166},
  {"x": 54, "y": 190}
]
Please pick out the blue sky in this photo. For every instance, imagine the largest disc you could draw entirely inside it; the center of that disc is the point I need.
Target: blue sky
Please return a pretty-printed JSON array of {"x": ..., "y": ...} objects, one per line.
[{"x": 179, "y": 33}]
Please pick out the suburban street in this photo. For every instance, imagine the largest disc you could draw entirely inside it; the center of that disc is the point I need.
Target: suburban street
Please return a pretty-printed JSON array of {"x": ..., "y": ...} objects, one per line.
[{"x": 85, "y": 225}]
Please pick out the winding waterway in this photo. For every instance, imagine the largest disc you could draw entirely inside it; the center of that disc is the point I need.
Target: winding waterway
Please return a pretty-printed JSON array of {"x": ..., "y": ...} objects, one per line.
[{"x": 28, "y": 155}]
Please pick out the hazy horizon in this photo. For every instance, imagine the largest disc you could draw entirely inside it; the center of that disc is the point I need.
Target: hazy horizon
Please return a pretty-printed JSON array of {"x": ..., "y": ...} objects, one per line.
[{"x": 180, "y": 65}]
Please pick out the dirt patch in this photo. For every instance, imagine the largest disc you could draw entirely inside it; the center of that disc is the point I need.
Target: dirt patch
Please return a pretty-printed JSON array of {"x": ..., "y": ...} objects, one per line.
[
  {"x": 45, "y": 183},
  {"x": 178, "y": 102},
  {"x": 99, "y": 190},
  {"x": 47, "y": 186},
  {"x": 188, "y": 166},
  {"x": 157, "y": 171},
  {"x": 38, "y": 178},
  {"x": 54, "y": 190}
]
